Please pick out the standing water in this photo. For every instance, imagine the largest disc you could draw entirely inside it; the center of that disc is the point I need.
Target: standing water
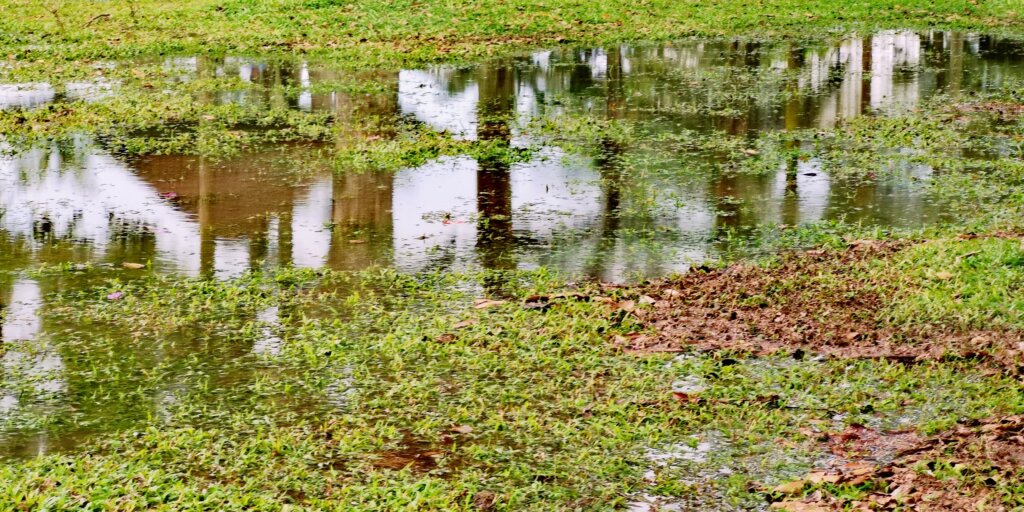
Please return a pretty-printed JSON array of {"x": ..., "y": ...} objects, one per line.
[{"x": 630, "y": 209}]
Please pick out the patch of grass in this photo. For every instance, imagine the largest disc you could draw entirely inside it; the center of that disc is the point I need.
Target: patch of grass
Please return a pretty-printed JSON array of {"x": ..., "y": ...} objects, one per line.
[
  {"x": 382, "y": 33},
  {"x": 974, "y": 283},
  {"x": 438, "y": 401}
]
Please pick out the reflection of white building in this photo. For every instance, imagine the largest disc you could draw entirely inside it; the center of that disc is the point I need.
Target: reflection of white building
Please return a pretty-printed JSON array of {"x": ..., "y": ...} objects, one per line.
[
  {"x": 79, "y": 200},
  {"x": 428, "y": 215},
  {"x": 30, "y": 95}
]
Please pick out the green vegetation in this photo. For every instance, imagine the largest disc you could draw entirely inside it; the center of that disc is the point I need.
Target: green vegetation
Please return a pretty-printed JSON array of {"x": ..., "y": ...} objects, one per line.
[
  {"x": 390, "y": 34},
  {"x": 525, "y": 407},
  {"x": 489, "y": 389}
]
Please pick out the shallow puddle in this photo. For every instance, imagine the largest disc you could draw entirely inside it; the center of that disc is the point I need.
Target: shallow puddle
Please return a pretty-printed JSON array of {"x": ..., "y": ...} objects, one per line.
[
  {"x": 284, "y": 205},
  {"x": 628, "y": 211}
]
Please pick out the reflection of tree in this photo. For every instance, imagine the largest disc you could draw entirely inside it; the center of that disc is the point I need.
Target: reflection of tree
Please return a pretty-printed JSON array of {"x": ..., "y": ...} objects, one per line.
[
  {"x": 361, "y": 203},
  {"x": 495, "y": 243},
  {"x": 6, "y": 282},
  {"x": 362, "y": 218},
  {"x": 609, "y": 165},
  {"x": 791, "y": 200}
]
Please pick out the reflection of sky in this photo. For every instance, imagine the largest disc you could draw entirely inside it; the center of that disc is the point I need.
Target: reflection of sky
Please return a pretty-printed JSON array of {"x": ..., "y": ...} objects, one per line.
[
  {"x": 558, "y": 201},
  {"x": 21, "y": 320},
  {"x": 25, "y": 95},
  {"x": 424, "y": 95},
  {"x": 27, "y": 359},
  {"x": 434, "y": 210},
  {"x": 552, "y": 194},
  {"x": 311, "y": 233}
]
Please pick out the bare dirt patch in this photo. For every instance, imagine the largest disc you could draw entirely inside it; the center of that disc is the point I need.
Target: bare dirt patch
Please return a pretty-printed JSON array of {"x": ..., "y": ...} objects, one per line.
[
  {"x": 1000, "y": 108},
  {"x": 809, "y": 302}
]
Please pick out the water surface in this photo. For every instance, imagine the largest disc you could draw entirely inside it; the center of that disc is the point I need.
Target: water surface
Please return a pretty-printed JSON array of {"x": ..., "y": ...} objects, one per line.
[{"x": 626, "y": 211}]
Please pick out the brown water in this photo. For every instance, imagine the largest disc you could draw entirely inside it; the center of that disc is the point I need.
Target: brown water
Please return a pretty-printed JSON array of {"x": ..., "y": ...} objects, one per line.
[{"x": 575, "y": 212}]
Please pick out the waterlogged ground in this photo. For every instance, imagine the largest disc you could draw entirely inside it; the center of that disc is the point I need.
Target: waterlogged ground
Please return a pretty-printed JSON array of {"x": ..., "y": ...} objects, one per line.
[
  {"x": 689, "y": 145},
  {"x": 265, "y": 281}
]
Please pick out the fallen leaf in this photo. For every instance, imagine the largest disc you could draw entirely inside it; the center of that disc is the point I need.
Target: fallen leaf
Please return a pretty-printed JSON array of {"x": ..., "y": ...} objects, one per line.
[
  {"x": 462, "y": 429},
  {"x": 484, "y": 500},
  {"x": 686, "y": 398},
  {"x": 133, "y": 266},
  {"x": 463, "y": 324},
  {"x": 790, "y": 487},
  {"x": 627, "y": 306},
  {"x": 943, "y": 276},
  {"x": 817, "y": 477},
  {"x": 446, "y": 338},
  {"x": 797, "y": 506},
  {"x": 487, "y": 303}
]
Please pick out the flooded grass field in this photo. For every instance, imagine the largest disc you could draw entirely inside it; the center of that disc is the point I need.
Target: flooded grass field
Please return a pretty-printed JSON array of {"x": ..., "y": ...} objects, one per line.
[{"x": 291, "y": 283}]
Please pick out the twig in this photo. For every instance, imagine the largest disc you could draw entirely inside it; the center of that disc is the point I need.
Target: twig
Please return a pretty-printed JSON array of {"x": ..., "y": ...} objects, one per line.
[
  {"x": 55, "y": 11},
  {"x": 97, "y": 17}
]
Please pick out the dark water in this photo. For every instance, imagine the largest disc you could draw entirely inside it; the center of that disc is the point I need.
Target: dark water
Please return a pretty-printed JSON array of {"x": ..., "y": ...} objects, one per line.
[{"x": 630, "y": 210}]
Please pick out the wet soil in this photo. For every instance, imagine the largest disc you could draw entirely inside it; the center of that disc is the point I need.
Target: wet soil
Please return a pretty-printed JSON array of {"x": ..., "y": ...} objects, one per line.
[{"x": 791, "y": 307}]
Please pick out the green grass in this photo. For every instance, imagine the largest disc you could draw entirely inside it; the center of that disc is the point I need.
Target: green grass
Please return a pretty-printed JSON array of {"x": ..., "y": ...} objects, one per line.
[
  {"x": 558, "y": 418},
  {"x": 975, "y": 283},
  {"x": 387, "y": 34},
  {"x": 376, "y": 366}
]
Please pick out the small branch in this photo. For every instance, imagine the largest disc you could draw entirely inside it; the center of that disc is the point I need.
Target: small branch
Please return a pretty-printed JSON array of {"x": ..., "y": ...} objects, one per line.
[
  {"x": 55, "y": 11},
  {"x": 97, "y": 17}
]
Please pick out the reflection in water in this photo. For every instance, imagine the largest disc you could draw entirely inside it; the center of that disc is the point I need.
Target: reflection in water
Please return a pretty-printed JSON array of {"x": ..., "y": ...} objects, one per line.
[
  {"x": 591, "y": 215},
  {"x": 20, "y": 321},
  {"x": 571, "y": 212},
  {"x": 30, "y": 369}
]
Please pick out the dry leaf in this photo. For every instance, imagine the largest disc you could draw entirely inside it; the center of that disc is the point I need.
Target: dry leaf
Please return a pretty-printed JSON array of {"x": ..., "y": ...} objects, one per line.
[
  {"x": 487, "y": 303},
  {"x": 797, "y": 506},
  {"x": 790, "y": 487},
  {"x": 817, "y": 477},
  {"x": 133, "y": 266},
  {"x": 484, "y": 500},
  {"x": 463, "y": 324}
]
